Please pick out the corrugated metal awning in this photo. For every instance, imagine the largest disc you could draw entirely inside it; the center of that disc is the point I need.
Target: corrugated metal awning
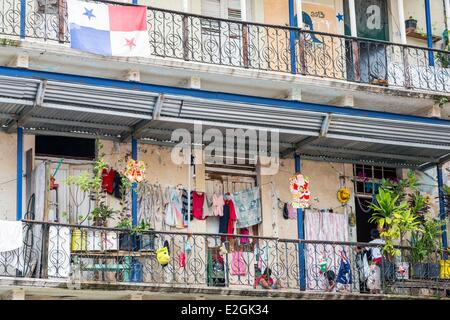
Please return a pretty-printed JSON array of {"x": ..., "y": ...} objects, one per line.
[{"x": 75, "y": 109}]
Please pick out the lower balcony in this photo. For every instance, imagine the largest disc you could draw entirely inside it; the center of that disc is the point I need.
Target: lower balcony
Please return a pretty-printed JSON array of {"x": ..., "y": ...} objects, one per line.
[{"x": 74, "y": 257}]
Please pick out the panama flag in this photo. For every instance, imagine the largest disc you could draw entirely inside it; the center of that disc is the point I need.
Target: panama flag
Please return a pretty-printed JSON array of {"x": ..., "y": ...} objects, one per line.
[{"x": 109, "y": 30}]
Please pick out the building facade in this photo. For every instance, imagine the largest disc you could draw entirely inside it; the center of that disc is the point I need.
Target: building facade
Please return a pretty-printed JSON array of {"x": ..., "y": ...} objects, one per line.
[{"x": 358, "y": 93}]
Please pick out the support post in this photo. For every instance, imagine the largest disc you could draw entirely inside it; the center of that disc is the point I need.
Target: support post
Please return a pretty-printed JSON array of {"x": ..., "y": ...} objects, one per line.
[
  {"x": 301, "y": 234},
  {"x": 19, "y": 173},
  {"x": 23, "y": 16},
  {"x": 134, "y": 155},
  {"x": 292, "y": 37},
  {"x": 401, "y": 19},
  {"x": 429, "y": 32},
  {"x": 442, "y": 207},
  {"x": 134, "y": 2}
]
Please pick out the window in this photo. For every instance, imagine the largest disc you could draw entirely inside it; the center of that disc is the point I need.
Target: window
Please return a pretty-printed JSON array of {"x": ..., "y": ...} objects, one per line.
[
  {"x": 368, "y": 178},
  {"x": 67, "y": 147}
]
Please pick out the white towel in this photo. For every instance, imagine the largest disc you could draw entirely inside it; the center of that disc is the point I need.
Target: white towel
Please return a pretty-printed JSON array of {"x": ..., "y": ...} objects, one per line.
[{"x": 10, "y": 235}]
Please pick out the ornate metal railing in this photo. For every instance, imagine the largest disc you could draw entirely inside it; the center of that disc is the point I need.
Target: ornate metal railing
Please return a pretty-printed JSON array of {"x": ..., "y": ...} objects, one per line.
[
  {"x": 254, "y": 46},
  {"x": 78, "y": 254}
]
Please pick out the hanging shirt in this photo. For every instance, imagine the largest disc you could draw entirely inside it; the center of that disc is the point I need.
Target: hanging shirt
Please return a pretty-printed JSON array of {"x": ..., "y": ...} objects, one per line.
[
  {"x": 344, "y": 275},
  {"x": 207, "y": 206},
  {"x": 117, "y": 185},
  {"x": 198, "y": 198},
  {"x": 218, "y": 204},
  {"x": 108, "y": 180},
  {"x": 185, "y": 201},
  {"x": 228, "y": 219}
]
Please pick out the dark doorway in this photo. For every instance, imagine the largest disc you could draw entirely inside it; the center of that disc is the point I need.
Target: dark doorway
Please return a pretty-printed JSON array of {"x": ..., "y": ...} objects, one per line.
[
  {"x": 363, "y": 214},
  {"x": 367, "y": 60},
  {"x": 65, "y": 147}
]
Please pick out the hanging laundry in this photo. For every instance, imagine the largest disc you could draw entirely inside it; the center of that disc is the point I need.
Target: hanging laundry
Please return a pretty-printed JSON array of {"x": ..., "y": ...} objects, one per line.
[
  {"x": 244, "y": 232},
  {"x": 182, "y": 259},
  {"x": 198, "y": 199},
  {"x": 248, "y": 207},
  {"x": 185, "y": 207},
  {"x": 344, "y": 275},
  {"x": 299, "y": 187},
  {"x": 117, "y": 185},
  {"x": 292, "y": 212},
  {"x": 208, "y": 206},
  {"x": 226, "y": 223},
  {"x": 238, "y": 264},
  {"x": 174, "y": 216},
  {"x": 218, "y": 204},
  {"x": 10, "y": 235},
  {"x": 108, "y": 180}
]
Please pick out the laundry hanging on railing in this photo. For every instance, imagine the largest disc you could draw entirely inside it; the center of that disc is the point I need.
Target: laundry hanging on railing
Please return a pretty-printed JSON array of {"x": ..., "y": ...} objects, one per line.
[{"x": 10, "y": 235}]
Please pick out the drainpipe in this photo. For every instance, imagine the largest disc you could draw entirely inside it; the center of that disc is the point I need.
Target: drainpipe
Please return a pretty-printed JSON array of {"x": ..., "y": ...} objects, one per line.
[
  {"x": 442, "y": 207},
  {"x": 134, "y": 155},
  {"x": 292, "y": 37},
  {"x": 429, "y": 32},
  {"x": 300, "y": 233},
  {"x": 19, "y": 173}
]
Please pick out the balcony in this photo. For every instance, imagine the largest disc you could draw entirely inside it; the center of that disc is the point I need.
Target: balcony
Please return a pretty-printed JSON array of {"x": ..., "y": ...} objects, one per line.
[
  {"x": 270, "y": 48},
  {"x": 82, "y": 257}
]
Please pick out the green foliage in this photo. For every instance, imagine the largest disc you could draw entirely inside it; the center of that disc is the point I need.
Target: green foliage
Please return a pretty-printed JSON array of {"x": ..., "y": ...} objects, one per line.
[
  {"x": 125, "y": 223},
  {"x": 446, "y": 189},
  {"x": 102, "y": 213},
  {"x": 396, "y": 212},
  {"x": 426, "y": 243}
]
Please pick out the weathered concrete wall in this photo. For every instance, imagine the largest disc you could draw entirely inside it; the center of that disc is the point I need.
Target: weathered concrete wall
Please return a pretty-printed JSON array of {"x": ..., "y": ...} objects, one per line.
[
  {"x": 324, "y": 183},
  {"x": 8, "y": 165}
]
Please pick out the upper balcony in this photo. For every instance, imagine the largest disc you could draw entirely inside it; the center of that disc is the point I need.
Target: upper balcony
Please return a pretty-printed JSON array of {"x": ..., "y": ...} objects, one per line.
[{"x": 184, "y": 39}]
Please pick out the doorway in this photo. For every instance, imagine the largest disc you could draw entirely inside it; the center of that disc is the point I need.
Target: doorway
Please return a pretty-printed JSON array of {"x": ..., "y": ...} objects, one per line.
[
  {"x": 367, "y": 181},
  {"x": 367, "y": 60}
]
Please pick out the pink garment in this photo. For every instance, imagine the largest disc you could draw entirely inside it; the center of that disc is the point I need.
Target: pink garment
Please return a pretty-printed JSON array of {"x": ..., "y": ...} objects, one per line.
[
  {"x": 238, "y": 264},
  {"x": 182, "y": 259},
  {"x": 244, "y": 232},
  {"x": 292, "y": 212},
  {"x": 218, "y": 204}
]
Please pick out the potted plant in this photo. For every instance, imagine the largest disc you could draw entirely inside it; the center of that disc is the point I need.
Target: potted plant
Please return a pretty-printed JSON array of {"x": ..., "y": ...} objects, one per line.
[
  {"x": 147, "y": 238},
  {"x": 396, "y": 215},
  {"x": 410, "y": 24},
  {"x": 425, "y": 250},
  {"x": 127, "y": 239}
]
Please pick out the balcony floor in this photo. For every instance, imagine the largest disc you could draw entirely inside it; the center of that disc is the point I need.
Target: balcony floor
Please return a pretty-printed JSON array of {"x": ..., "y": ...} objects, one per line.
[{"x": 51, "y": 289}]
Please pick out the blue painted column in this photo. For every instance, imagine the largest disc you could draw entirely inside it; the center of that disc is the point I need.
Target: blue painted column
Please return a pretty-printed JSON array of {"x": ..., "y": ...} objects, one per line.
[
  {"x": 23, "y": 15},
  {"x": 300, "y": 233},
  {"x": 134, "y": 155},
  {"x": 429, "y": 32},
  {"x": 292, "y": 23},
  {"x": 134, "y": 2},
  {"x": 19, "y": 173},
  {"x": 442, "y": 206}
]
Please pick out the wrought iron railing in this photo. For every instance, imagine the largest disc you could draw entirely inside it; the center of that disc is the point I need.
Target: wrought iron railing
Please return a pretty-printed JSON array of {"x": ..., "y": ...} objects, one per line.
[
  {"x": 254, "y": 46},
  {"x": 78, "y": 254}
]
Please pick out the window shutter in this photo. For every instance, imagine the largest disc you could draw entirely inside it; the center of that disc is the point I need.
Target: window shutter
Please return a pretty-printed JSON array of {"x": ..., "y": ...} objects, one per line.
[{"x": 211, "y": 8}]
